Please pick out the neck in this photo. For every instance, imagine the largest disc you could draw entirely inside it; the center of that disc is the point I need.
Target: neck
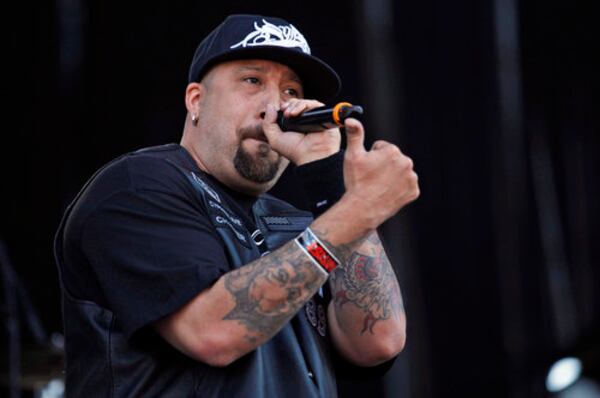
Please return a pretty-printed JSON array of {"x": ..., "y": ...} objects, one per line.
[
  {"x": 239, "y": 185},
  {"x": 186, "y": 142}
]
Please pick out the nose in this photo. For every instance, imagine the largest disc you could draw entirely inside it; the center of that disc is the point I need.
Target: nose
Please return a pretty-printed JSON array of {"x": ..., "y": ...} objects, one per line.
[{"x": 272, "y": 95}]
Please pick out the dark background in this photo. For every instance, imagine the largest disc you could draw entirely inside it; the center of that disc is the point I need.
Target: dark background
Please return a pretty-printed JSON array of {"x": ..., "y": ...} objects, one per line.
[{"x": 495, "y": 101}]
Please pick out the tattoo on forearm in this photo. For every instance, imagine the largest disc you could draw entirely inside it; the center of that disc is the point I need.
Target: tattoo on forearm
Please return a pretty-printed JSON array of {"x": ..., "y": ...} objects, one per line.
[
  {"x": 368, "y": 282},
  {"x": 269, "y": 291}
]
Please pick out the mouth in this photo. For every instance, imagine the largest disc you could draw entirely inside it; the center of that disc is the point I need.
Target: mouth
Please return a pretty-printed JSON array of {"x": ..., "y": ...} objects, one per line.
[
  {"x": 254, "y": 132},
  {"x": 259, "y": 137}
]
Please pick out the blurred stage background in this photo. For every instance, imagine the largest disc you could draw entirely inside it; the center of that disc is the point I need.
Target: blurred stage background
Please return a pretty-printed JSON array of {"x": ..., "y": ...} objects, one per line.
[{"x": 496, "y": 101}]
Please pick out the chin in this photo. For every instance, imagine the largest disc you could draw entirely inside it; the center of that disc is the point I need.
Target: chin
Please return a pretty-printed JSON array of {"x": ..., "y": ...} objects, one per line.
[{"x": 258, "y": 172}]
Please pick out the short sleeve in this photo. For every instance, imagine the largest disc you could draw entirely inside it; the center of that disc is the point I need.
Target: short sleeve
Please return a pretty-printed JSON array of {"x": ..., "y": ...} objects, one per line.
[{"x": 152, "y": 248}]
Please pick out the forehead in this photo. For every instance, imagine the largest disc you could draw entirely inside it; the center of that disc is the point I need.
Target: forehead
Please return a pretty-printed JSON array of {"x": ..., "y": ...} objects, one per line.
[{"x": 266, "y": 67}]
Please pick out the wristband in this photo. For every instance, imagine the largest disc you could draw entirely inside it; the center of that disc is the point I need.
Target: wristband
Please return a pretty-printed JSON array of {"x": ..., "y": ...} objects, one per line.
[
  {"x": 317, "y": 251},
  {"x": 323, "y": 182}
]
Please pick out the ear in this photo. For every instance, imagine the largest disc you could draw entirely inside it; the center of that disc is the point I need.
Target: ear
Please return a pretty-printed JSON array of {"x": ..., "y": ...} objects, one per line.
[{"x": 194, "y": 93}]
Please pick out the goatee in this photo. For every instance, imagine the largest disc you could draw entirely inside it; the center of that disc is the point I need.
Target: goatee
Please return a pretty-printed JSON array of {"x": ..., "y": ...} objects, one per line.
[{"x": 258, "y": 168}]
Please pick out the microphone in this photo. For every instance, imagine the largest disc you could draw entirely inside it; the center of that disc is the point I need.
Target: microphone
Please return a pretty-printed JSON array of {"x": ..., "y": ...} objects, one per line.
[{"x": 319, "y": 119}]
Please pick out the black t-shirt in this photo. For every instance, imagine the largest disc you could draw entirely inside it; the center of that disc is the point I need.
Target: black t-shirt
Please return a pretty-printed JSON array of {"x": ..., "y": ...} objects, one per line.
[{"x": 138, "y": 244}]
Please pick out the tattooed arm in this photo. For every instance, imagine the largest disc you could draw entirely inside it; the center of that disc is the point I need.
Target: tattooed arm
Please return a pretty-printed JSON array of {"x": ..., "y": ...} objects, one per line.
[
  {"x": 247, "y": 306},
  {"x": 366, "y": 314},
  {"x": 244, "y": 308}
]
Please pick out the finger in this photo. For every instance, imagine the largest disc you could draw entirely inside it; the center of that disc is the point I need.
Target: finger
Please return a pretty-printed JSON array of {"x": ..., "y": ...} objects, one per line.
[
  {"x": 293, "y": 108},
  {"x": 270, "y": 128},
  {"x": 355, "y": 136},
  {"x": 288, "y": 103},
  {"x": 270, "y": 115},
  {"x": 297, "y": 107},
  {"x": 379, "y": 144}
]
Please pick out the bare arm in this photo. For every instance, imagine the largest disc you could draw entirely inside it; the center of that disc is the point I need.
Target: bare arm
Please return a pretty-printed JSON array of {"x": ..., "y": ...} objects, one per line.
[
  {"x": 366, "y": 317},
  {"x": 248, "y": 306},
  {"x": 244, "y": 308},
  {"x": 366, "y": 314}
]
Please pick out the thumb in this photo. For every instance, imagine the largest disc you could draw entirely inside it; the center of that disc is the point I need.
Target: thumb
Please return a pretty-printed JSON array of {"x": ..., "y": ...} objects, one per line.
[{"x": 355, "y": 136}]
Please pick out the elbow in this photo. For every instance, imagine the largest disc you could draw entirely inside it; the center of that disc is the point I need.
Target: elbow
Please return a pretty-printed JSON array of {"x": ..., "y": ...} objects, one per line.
[
  {"x": 209, "y": 347},
  {"x": 390, "y": 343},
  {"x": 373, "y": 347},
  {"x": 385, "y": 349},
  {"x": 392, "y": 347},
  {"x": 215, "y": 351},
  {"x": 393, "y": 343},
  {"x": 395, "y": 340},
  {"x": 376, "y": 353},
  {"x": 213, "y": 358}
]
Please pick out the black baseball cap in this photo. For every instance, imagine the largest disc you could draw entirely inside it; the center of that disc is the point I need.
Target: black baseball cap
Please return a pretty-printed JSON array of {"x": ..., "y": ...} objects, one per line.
[{"x": 258, "y": 37}]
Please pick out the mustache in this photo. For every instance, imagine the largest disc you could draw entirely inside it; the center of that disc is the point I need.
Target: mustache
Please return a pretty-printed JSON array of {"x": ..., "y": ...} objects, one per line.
[{"x": 255, "y": 132}]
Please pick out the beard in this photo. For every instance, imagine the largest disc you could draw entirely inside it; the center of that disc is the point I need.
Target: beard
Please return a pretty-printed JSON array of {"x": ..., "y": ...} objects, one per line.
[{"x": 256, "y": 168}]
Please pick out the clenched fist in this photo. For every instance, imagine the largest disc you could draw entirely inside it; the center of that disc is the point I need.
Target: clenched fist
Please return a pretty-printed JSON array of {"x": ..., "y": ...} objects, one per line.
[{"x": 378, "y": 182}]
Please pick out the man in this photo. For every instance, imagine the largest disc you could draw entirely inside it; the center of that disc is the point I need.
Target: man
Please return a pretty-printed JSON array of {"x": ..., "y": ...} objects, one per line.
[{"x": 181, "y": 277}]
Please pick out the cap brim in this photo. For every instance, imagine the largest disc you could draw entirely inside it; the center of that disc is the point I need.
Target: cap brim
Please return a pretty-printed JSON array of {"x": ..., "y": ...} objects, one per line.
[{"x": 319, "y": 80}]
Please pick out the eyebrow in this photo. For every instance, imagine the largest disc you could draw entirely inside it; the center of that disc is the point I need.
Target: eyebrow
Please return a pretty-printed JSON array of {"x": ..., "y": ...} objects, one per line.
[
  {"x": 244, "y": 68},
  {"x": 294, "y": 77},
  {"x": 290, "y": 75}
]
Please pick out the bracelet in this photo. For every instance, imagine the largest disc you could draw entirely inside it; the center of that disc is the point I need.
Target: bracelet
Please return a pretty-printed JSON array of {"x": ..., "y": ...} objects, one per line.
[{"x": 317, "y": 251}]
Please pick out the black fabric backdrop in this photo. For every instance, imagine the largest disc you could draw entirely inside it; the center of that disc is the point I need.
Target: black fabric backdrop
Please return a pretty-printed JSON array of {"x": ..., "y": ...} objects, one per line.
[{"x": 87, "y": 81}]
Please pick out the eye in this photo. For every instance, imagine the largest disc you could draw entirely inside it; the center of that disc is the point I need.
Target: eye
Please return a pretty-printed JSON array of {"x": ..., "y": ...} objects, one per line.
[
  {"x": 252, "y": 80},
  {"x": 292, "y": 92}
]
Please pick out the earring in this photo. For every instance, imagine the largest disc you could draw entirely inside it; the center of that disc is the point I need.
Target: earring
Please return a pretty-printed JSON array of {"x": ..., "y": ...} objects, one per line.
[{"x": 194, "y": 119}]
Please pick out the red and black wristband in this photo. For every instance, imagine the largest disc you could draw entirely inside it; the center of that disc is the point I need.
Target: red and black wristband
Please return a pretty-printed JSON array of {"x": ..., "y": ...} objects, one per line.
[{"x": 317, "y": 251}]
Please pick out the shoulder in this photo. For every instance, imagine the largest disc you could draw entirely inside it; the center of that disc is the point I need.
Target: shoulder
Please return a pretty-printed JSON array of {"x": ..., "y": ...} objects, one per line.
[
  {"x": 153, "y": 168},
  {"x": 135, "y": 179}
]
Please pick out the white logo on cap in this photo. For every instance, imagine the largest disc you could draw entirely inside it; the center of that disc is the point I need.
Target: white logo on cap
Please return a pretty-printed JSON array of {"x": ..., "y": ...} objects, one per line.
[{"x": 273, "y": 35}]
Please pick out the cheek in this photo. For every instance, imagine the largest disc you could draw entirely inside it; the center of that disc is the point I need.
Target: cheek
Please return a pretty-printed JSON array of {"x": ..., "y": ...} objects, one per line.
[
  {"x": 221, "y": 135},
  {"x": 222, "y": 113}
]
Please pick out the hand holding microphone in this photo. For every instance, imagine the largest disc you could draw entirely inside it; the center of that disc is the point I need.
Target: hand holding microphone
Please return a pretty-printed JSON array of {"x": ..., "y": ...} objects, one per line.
[
  {"x": 287, "y": 129},
  {"x": 319, "y": 119}
]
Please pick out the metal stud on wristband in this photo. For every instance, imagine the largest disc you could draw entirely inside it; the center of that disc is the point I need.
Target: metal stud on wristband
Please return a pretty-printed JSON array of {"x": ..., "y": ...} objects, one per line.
[{"x": 317, "y": 251}]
